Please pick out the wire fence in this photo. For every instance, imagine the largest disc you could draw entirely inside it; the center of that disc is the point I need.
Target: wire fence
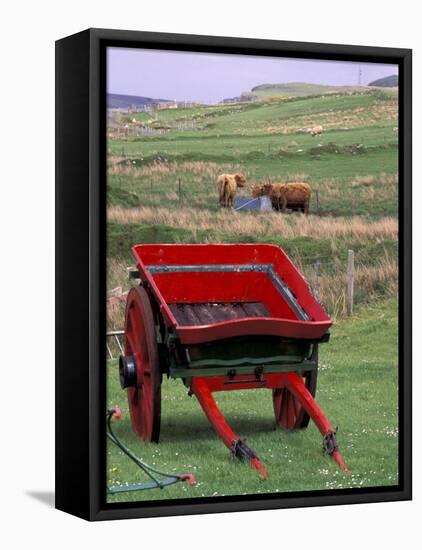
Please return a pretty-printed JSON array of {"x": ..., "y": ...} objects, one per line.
[{"x": 115, "y": 342}]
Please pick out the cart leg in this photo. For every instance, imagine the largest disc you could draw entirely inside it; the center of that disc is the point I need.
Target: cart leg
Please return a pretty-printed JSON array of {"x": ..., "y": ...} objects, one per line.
[
  {"x": 237, "y": 446},
  {"x": 295, "y": 384}
]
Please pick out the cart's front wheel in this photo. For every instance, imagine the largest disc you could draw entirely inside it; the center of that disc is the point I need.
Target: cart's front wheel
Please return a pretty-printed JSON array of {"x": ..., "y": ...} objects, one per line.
[
  {"x": 144, "y": 395},
  {"x": 289, "y": 413}
]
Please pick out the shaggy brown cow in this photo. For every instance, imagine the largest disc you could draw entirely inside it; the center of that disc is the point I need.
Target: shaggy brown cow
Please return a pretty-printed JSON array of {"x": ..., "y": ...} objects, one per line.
[
  {"x": 259, "y": 190},
  {"x": 227, "y": 186},
  {"x": 296, "y": 195}
]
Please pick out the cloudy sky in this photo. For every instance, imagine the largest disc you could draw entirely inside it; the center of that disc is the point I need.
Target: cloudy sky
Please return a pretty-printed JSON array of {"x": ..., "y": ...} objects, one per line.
[{"x": 213, "y": 77}]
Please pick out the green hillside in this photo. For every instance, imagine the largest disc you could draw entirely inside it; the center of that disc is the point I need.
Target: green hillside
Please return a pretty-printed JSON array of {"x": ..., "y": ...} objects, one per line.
[
  {"x": 336, "y": 112},
  {"x": 387, "y": 81},
  {"x": 298, "y": 89},
  {"x": 162, "y": 188},
  {"x": 291, "y": 89}
]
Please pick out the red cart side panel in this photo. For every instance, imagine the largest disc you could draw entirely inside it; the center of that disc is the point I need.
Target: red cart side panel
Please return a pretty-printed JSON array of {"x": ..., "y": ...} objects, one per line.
[{"x": 253, "y": 326}]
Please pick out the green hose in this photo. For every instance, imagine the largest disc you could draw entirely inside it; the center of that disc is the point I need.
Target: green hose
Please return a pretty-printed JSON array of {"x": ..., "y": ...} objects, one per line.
[{"x": 169, "y": 479}]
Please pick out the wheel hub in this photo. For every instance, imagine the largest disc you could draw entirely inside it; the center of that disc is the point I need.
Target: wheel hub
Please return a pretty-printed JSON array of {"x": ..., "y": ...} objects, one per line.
[{"x": 127, "y": 371}]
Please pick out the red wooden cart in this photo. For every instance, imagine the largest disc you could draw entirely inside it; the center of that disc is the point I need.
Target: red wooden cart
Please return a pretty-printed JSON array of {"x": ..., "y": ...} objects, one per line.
[{"x": 223, "y": 317}]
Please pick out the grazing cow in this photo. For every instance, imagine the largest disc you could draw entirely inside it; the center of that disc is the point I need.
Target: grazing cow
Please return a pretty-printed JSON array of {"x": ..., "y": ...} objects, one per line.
[
  {"x": 227, "y": 186},
  {"x": 259, "y": 190},
  {"x": 268, "y": 189},
  {"x": 296, "y": 195},
  {"x": 315, "y": 131}
]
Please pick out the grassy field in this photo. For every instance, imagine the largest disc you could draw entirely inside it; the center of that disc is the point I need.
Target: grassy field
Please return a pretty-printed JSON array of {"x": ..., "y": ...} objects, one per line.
[
  {"x": 357, "y": 387},
  {"x": 162, "y": 189}
]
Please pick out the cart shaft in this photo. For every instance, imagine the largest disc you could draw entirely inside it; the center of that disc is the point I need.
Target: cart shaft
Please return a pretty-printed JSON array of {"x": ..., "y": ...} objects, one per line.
[
  {"x": 203, "y": 388},
  {"x": 202, "y": 391},
  {"x": 297, "y": 387}
]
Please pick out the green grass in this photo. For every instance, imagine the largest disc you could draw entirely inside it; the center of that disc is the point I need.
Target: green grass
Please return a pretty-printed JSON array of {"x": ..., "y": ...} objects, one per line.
[
  {"x": 120, "y": 238},
  {"x": 300, "y": 89},
  {"x": 199, "y": 112},
  {"x": 291, "y": 89},
  {"x": 357, "y": 388},
  {"x": 358, "y": 369},
  {"x": 284, "y": 110},
  {"x": 335, "y": 170},
  {"x": 228, "y": 145},
  {"x": 140, "y": 116},
  {"x": 350, "y": 111}
]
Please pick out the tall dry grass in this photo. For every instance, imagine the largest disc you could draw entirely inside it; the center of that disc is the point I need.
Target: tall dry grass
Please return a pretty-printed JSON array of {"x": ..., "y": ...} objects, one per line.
[
  {"x": 290, "y": 178},
  {"x": 121, "y": 166},
  {"x": 371, "y": 282},
  {"x": 382, "y": 179},
  {"x": 356, "y": 228}
]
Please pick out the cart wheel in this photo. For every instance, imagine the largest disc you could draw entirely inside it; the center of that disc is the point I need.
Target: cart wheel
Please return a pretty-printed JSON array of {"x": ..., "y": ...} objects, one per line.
[
  {"x": 289, "y": 413},
  {"x": 141, "y": 344}
]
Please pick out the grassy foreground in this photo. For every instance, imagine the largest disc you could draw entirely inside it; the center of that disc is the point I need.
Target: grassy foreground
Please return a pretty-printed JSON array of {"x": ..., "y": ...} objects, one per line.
[{"x": 357, "y": 388}]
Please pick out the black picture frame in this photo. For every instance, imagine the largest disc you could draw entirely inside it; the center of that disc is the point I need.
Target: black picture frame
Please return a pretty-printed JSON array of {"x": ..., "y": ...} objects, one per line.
[{"x": 80, "y": 272}]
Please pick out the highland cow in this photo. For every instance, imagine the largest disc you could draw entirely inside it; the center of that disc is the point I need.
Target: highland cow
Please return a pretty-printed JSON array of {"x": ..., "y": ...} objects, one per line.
[
  {"x": 271, "y": 190},
  {"x": 260, "y": 190},
  {"x": 296, "y": 195},
  {"x": 227, "y": 187}
]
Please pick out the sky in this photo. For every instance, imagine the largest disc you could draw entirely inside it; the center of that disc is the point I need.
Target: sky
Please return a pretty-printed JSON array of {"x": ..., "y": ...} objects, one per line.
[{"x": 212, "y": 77}]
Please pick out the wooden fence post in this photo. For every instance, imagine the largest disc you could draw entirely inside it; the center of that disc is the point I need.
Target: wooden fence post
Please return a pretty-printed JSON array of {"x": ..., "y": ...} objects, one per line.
[
  {"x": 350, "y": 281},
  {"x": 180, "y": 189},
  {"x": 318, "y": 280}
]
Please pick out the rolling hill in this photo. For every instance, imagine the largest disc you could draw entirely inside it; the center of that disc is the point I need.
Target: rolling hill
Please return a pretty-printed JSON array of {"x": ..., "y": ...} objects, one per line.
[
  {"x": 296, "y": 89},
  {"x": 120, "y": 101},
  {"x": 386, "y": 82}
]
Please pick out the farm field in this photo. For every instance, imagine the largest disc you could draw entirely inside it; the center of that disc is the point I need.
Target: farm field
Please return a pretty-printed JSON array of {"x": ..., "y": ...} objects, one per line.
[{"x": 162, "y": 189}]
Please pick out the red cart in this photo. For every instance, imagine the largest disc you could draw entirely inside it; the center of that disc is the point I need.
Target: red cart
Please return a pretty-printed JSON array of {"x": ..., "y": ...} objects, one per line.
[{"x": 222, "y": 318}]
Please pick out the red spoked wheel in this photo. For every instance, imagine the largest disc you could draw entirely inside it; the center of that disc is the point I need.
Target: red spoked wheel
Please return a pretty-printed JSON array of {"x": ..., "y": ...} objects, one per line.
[
  {"x": 141, "y": 345},
  {"x": 289, "y": 413}
]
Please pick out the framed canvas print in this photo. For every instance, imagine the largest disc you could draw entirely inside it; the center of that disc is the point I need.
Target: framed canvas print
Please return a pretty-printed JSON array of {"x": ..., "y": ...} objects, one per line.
[{"x": 233, "y": 274}]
